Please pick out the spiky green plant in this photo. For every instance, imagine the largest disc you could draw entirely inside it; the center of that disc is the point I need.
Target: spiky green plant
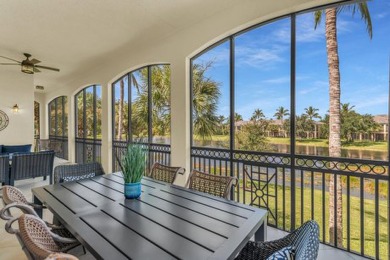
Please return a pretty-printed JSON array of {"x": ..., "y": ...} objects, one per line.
[{"x": 133, "y": 163}]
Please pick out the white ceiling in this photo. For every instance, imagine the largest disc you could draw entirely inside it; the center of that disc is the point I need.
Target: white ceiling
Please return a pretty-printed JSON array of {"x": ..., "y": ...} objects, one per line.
[{"x": 76, "y": 35}]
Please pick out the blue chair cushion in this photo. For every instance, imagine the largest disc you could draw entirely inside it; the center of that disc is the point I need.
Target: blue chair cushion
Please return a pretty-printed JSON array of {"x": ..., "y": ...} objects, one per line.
[
  {"x": 286, "y": 253},
  {"x": 1, "y": 149},
  {"x": 17, "y": 148}
]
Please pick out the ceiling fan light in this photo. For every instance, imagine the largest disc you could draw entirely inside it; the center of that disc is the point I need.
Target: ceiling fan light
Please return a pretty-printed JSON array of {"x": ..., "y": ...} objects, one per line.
[{"x": 27, "y": 69}]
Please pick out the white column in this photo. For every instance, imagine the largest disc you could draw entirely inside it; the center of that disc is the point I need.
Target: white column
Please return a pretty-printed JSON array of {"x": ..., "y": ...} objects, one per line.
[
  {"x": 71, "y": 129},
  {"x": 180, "y": 117},
  {"x": 106, "y": 149}
]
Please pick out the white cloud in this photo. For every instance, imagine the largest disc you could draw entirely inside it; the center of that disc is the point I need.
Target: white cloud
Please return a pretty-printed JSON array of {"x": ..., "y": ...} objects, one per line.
[
  {"x": 261, "y": 58},
  {"x": 314, "y": 86},
  {"x": 280, "y": 80}
]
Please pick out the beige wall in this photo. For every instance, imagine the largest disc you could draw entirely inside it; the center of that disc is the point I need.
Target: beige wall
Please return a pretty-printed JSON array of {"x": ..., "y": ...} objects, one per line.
[
  {"x": 175, "y": 50},
  {"x": 17, "y": 88}
]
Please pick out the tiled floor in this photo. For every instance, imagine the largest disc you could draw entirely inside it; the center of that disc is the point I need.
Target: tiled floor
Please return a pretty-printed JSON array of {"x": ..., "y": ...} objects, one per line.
[{"x": 10, "y": 248}]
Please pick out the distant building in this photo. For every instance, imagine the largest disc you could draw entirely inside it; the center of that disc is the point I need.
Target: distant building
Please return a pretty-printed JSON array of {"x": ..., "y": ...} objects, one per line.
[
  {"x": 276, "y": 129},
  {"x": 383, "y": 121}
]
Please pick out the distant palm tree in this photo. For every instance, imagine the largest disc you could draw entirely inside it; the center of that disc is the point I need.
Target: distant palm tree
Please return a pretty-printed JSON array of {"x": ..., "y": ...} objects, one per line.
[
  {"x": 311, "y": 113},
  {"x": 257, "y": 115},
  {"x": 346, "y": 108},
  {"x": 281, "y": 112},
  {"x": 334, "y": 103},
  {"x": 237, "y": 117}
]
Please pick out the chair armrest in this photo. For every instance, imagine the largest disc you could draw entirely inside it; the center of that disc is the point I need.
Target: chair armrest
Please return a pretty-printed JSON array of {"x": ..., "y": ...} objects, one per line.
[
  {"x": 64, "y": 240},
  {"x": 262, "y": 250},
  {"x": 4, "y": 212},
  {"x": 8, "y": 226}
]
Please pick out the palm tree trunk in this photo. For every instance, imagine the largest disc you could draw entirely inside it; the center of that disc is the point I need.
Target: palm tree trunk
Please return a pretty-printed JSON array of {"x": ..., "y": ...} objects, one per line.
[
  {"x": 120, "y": 112},
  {"x": 335, "y": 225}
]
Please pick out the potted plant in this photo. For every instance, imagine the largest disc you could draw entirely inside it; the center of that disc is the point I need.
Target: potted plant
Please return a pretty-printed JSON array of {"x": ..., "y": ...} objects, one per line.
[{"x": 133, "y": 166}]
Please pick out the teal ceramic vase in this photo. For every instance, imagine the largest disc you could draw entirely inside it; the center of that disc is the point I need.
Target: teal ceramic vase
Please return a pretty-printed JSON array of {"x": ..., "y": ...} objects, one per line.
[{"x": 132, "y": 190}]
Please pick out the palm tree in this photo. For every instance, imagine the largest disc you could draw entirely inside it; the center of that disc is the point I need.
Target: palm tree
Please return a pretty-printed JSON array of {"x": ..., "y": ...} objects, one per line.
[
  {"x": 205, "y": 101},
  {"x": 311, "y": 113},
  {"x": 346, "y": 108},
  {"x": 237, "y": 117},
  {"x": 334, "y": 103},
  {"x": 160, "y": 90},
  {"x": 257, "y": 115},
  {"x": 281, "y": 112}
]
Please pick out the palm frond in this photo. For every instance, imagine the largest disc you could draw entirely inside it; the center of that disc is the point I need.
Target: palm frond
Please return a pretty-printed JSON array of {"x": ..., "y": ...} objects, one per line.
[{"x": 317, "y": 18}]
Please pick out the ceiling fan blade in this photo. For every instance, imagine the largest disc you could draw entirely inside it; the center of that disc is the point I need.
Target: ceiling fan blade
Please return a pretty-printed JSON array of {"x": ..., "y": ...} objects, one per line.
[
  {"x": 36, "y": 70},
  {"x": 35, "y": 61},
  {"x": 47, "y": 68},
  {"x": 9, "y": 64},
  {"x": 10, "y": 59}
]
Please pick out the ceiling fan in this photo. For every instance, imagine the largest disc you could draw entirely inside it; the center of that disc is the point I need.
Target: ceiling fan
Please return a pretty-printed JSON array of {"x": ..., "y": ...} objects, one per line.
[{"x": 28, "y": 66}]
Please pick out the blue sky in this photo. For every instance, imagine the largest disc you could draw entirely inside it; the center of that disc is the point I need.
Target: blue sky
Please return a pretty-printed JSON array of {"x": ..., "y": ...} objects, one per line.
[{"x": 262, "y": 59}]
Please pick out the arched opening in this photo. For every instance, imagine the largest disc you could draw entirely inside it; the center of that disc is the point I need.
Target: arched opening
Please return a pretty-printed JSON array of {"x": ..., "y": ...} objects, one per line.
[
  {"x": 88, "y": 122},
  {"x": 58, "y": 126}
]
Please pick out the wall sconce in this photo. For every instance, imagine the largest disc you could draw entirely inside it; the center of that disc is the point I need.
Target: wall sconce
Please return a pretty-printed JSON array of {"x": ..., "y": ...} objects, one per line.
[{"x": 15, "y": 108}]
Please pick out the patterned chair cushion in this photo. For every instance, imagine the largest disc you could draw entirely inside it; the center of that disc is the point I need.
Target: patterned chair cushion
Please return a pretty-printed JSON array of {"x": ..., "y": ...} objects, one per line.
[
  {"x": 77, "y": 178},
  {"x": 286, "y": 253}
]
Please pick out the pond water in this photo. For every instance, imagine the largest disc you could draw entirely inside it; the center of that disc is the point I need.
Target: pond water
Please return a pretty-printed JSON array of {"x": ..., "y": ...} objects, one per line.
[{"x": 307, "y": 150}]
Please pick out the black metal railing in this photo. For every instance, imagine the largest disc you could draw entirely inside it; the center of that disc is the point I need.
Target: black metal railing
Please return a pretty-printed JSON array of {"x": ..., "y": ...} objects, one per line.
[
  {"x": 60, "y": 146},
  {"x": 88, "y": 150},
  {"x": 157, "y": 153},
  {"x": 296, "y": 192}
]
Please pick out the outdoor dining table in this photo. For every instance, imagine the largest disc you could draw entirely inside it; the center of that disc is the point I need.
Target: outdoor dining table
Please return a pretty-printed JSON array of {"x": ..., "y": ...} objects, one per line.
[{"x": 166, "y": 222}]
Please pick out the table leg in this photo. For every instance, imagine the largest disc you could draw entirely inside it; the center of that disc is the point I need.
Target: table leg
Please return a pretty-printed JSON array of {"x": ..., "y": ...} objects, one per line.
[
  {"x": 261, "y": 233},
  {"x": 38, "y": 202}
]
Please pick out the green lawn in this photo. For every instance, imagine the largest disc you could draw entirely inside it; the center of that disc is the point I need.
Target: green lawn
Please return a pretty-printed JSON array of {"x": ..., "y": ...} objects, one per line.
[{"x": 355, "y": 238}]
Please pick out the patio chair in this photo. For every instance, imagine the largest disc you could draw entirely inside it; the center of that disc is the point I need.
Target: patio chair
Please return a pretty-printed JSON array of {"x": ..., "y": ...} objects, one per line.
[
  {"x": 4, "y": 169},
  {"x": 11, "y": 194},
  {"x": 74, "y": 172},
  {"x": 304, "y": 241},
  {"x": 61, "y": 256},
  {"x": 31, "y": 165},
  {"x": 165, "y": 173},
  {"x": 37, "y": 241},
  {"x": 216, "y": 185},
  {"x": 14, "y": 198}
]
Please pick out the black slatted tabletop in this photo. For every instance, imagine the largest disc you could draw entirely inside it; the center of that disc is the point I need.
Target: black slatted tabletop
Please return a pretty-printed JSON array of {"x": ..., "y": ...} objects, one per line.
[{"x": 166, "y": 222}]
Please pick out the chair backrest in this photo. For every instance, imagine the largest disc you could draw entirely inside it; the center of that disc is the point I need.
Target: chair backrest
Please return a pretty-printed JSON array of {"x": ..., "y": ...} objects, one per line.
[
  {"x": 69, "y": 172},
  {"x": 306, "y": 241},
  {"x": 36, "y": 236},
  {"x": 12, "y": 194},
  {"x": 165, "y": 173},
  {"x": 4, "y": 168},
  {"x": 31, "y": 165},
  {"x": 212, "y": 184}
]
